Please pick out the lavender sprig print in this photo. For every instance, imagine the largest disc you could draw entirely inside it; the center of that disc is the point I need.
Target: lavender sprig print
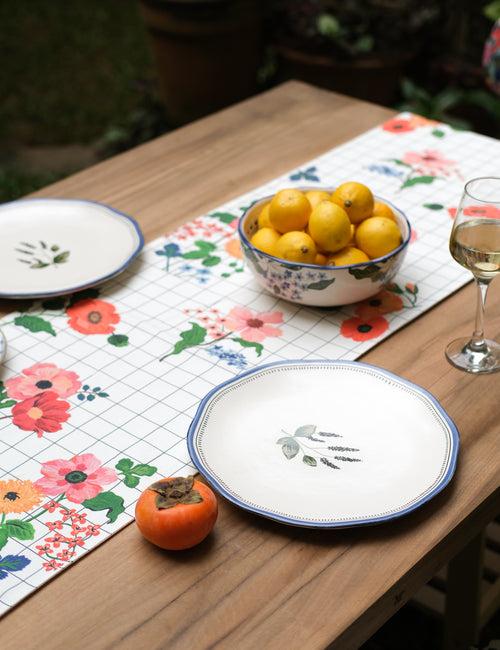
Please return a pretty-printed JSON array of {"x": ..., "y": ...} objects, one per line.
[{"x": 291, "y": 445}]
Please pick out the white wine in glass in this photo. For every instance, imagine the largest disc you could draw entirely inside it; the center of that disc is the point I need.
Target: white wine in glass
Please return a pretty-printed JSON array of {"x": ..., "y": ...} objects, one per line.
[{"x": 475, "y": 244}]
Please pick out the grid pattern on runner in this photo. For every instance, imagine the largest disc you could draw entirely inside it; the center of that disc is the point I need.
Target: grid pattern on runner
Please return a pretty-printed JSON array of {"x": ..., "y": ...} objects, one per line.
[{"x": 150, "y": 403}]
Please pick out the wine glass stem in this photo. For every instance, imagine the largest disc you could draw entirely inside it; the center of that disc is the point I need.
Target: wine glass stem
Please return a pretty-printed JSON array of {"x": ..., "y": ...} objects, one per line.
[{"x": 477, "y": 341}]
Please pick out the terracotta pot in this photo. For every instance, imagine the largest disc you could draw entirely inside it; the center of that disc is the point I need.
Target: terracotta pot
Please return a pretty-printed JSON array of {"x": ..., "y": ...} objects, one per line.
[
  {"x": 207, "y": 53},
  {"x": 374, "y": 79}
]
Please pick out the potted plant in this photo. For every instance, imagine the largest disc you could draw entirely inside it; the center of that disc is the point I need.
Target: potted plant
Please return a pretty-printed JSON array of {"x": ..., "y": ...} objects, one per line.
[
  {"x": 358, "y": 47},
  {"x": 207, "y": 53}
]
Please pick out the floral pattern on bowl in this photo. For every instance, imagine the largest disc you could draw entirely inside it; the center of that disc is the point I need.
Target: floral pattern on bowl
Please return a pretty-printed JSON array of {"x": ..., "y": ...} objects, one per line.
[{"x": 320, "y": 286}]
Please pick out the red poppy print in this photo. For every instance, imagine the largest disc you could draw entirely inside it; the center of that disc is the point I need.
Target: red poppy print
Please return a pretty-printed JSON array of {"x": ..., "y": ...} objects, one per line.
[
  {"x": 44, "y": 412},
  {"x": 363, "y": 329},
  {"x": 398, "y": 125},
  {"x": 481, "y": 211},
  {"x": 384, "y": 302},
  {"x": 93, "y": 316},
  {"x": 406, "y": 124}
]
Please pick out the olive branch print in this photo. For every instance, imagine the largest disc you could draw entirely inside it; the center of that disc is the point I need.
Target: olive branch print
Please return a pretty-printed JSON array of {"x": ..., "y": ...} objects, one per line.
[
  {"x": 41, "y": 255},
  {"x": 291, "y": 445}
]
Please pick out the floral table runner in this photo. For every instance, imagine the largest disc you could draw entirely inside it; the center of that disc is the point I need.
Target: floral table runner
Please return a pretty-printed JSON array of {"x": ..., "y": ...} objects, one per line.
[{"x": 98, "y": 388}]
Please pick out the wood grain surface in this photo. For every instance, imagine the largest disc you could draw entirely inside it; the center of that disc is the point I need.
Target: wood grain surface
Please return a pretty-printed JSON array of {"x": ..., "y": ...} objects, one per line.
[{"x": 254, "y": 583}]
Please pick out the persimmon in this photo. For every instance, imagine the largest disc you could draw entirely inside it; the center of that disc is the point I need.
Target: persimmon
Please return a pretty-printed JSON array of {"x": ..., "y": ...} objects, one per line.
[{"x": 176, "y": 513}]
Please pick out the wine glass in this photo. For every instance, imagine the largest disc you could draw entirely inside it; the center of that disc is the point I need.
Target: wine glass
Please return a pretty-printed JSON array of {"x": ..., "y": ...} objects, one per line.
[{"x": 475, "y": 244}]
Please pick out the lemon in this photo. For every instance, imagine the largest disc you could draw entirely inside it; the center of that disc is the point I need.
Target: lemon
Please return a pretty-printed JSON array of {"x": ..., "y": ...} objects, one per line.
[
  {"x": 296, "y": 246},
  {"x": 316, "y": 196},
  {"x": 377, "y": 236},
  {"x": 348, "y": 255},
  {"x": 264, "y": 221},
  {"x": 289, "y": 210},
  {"x": 356, "y": 199},
  {"x": 320, "y": 259},
  {"x": 383, "y": 210},
  {"x": 352, "y": 241},
  {"x": 265, "y": 240},
  {"x": 329, "y": 226}
]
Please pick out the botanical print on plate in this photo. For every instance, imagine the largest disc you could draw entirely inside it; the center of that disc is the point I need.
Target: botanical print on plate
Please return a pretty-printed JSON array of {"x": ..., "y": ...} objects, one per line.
[
  {"x": 41, "y": 255},
  {"x": 316, "y": 446}
]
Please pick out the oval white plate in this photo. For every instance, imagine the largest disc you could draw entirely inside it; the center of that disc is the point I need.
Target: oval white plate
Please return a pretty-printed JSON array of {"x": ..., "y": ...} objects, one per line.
[
  {"x": 259, "y": 439},
  {"x": 49, "y": 247}
]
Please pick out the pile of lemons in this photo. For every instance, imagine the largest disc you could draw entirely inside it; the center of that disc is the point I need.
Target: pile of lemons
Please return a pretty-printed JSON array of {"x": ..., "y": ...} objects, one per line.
[{"x": 315, "y": 227}]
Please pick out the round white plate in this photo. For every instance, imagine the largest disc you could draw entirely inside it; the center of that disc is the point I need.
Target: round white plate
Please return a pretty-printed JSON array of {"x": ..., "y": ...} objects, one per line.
[
  {"x": 50, "y": 247},
  {"x": 324, "y": 443}
]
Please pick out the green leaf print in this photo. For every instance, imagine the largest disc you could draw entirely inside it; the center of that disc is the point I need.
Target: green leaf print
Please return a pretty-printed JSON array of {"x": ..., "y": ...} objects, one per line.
[
  {"x": 118, "y": 340},
  {"x": 34, "y": 324},
  {"x": 143, "y": 470},
  {"x": 5, "y": 402},
  {"x": 190, "y": 338},
  {"x": 309, "y": 460},
  {"x": 321, "y": 284},
  {"x": 211, "y": 260},
  {"x": 372, "y": 271},
  {"x": 4, "y": 536},
  {"x": 418, "y": 180},
  {"x": 124, "y": 465},
  {"x": 224, "y": 217},
  {"x": 106, "y": 501},
  {"x": 433, "y": 206},
  {"x": 290, "y": 449},
  {"x": 258, "y": 347},
  {"x": 18, "y": 529},
  {"x": 131, "y": 481}
]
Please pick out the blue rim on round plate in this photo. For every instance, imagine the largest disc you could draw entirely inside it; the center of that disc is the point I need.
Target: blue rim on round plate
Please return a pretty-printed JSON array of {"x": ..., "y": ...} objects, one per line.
[
  {"x": 200, "y": 451},
  {"x": 134, "y": 246}
]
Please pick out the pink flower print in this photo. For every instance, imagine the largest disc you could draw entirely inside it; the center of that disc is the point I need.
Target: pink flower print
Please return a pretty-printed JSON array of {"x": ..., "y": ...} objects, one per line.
[
  {"x": 43, "y": 377},
  {"x": 253, "y": 326},
  {"x": 77, "y": 528},
  {"x": 51, "y": 505},
  {"x": 93, "y": 529},
  {"x": 43, "y": 548},
  {"x": 56, "y": 541},
  {"x": 430, "y": 162},
  {"x": 51, "y": 565},
  {"x": 76, "y": 541},
  {"x": 80, "y": 518},
  {"x": 80, "y": 478},
  {"x": 54, "y": 525},
  {"x": 65, "y": 555},
  {"x": 67, "y": 514}
]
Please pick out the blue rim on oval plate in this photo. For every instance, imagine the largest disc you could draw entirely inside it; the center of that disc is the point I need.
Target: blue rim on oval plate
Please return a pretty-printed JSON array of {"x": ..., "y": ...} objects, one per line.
[
  {"x": 324, "y": 444},
  {"x": 51, "y": 247}
]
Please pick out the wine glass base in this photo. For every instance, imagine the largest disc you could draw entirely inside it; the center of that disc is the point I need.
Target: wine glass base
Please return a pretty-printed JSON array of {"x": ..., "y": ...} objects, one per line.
[{"x": 464, "y": 354}]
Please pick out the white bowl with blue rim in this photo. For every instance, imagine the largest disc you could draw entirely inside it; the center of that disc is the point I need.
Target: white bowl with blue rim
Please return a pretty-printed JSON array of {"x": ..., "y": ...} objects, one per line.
[
  {"x": 320, "y": 286},
  {"x": 324, "y": 444},
  {"x": 51, "y": 247}
]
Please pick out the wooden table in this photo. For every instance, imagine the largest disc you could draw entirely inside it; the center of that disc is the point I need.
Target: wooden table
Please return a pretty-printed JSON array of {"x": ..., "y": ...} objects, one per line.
[{"x": 254, "y": 583}]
